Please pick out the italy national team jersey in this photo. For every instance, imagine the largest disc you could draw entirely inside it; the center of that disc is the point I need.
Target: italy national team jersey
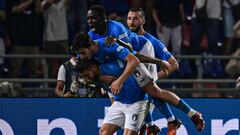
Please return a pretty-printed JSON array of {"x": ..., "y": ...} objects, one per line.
[
  {"x": 161, "y": 51},
  {"x": 137, "y": 41},
  {"x": 143, "y": 46},
  {"x": 130, "y": 92},
  {"x": 115, "y": 29},
  {"x": 109, "y": 53}
]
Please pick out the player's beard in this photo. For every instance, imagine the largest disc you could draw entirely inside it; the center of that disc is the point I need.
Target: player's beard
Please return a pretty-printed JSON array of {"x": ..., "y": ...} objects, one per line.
[{"x": 135, "y": 29}]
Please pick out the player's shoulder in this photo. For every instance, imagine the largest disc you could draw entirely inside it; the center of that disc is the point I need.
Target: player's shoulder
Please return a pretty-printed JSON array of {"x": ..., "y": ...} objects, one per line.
[
  {"x": 150, "y": 37},
  {"x": 104, "y": 47},
  {"x": 112, "y": 22},
  {"x": 142, "y": 39},
  {"x": 154, "y": 40},
  {"x": 100, "y": 42},
  {"x": 115, "y": 25},
  {"x": 91, "y": 34}
]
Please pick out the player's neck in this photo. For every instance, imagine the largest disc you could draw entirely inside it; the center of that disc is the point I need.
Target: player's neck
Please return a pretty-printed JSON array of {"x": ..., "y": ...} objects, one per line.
[
  {"x": 103, "y": 29},
  {"x": 141, "y": 31}
]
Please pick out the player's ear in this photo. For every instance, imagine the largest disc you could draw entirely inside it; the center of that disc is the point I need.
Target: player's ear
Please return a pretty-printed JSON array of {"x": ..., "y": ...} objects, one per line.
[{"x": 143, "y": 21}]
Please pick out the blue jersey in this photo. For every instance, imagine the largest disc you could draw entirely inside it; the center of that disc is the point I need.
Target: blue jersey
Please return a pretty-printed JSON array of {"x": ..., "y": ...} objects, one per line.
[
  {"x": 130, "y": 92},
  {"x": 109, "y": 53},
  {"x": 115, "y": 29},
  {"x": 160, "y": 50},
  {"x": 137, "y": 41}
]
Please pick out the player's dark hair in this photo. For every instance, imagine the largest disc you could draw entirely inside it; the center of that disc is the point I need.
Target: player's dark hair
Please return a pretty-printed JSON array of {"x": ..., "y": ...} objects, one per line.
[
  {"x": 138, "y": 10},
  {"x": 100, "y": 10},
  {"x": 85, "y": 64},
  {"x": 81, "y": 40}
]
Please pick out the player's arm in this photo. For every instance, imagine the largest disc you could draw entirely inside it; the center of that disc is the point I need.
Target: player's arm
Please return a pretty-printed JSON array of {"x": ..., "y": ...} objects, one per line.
[
  {"x": 147, "y": 59},
  {"x": 109, "y": 40},
  {"x": 173, "y": 67},
  {"x": 132, "y": 63}
]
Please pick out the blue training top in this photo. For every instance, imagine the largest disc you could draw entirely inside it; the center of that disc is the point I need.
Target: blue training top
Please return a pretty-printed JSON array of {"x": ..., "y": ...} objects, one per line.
[
  {"x": 160, "y": 50},
  {"x": 130, "y": 92},
  {"x": 109, "y": 53},
  {"x": 115, "y": 29}
]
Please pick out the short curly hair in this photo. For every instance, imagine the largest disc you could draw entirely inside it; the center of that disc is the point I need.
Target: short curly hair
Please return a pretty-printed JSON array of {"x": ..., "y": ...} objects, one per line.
[
  {"x": 81, "y": 40},
  {"x": 100, "y": 10}
]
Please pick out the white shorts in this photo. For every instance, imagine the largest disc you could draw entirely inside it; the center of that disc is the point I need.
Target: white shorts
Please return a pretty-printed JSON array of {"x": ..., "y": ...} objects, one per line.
[
  {"x": 142, "y": 75},
  {"x": 128, "y": 116}
]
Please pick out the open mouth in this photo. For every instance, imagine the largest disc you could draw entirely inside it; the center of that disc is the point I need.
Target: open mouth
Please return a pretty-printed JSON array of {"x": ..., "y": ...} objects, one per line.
[
  {"x": 132, "y": 27},
  {"x": 92, "y": 27}
]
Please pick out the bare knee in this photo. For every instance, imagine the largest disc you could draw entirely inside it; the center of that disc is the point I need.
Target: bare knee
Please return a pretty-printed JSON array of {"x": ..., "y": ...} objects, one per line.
[
  {"x": 103, "y": 131},
  {"x": 129, "y": 132},
  {"x": 108, "y": 129}
]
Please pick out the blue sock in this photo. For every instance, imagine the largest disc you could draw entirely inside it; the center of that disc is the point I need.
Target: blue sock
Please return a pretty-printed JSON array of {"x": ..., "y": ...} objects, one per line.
[
  {"x": 149, "y": 119},
  {"x": 183, "y": 106},
  {"x": 165, "y": 109}
]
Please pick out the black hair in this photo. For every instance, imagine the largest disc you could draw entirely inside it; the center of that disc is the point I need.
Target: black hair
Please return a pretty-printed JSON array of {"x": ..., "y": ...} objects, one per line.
[
  {"x": 81, "y": 40},
  {"x": 138, "y": 10},
  {"x": 100, "y": 10},
  {"x": 82, "y": 65}
]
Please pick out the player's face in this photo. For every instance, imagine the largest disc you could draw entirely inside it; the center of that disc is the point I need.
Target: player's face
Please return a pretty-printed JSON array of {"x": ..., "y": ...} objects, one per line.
[
  {"x": 134, "y": 21},
  {"x": 85, "y": 54},
  {"x": 90, "y": 75},
  {"x": 94, "y": 21}
]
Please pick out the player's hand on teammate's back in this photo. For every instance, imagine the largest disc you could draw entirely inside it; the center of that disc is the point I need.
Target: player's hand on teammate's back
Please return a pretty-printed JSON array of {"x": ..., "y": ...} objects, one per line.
[
  {"x": 109, "y": 40},
  {"x": 162, "y": 74},
  {"x": 165, "y": 67},
  {"x": 116, "y": 86},
  {"x": 107, "y": 78}
]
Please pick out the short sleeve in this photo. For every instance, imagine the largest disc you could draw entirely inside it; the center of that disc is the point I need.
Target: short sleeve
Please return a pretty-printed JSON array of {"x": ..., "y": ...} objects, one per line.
[
  {"x": 161, "y": 51},
  {"x": 61, "y": 74},
  {"x": 118, "y": 51}
]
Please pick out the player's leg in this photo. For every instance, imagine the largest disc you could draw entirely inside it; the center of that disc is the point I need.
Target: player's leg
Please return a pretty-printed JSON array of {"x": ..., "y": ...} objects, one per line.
[
  {"x": 144, "y": 80},
  {"x": 173, "y": 99},
  {"x": 173, "y": 123},
  {"x": 149, "y": 127},
  {"x": 129, "y": 132},
  {"x": 135, "y": 115},
  {"x": 113, "y": 120},
  {"x": 108, "y": 129}
]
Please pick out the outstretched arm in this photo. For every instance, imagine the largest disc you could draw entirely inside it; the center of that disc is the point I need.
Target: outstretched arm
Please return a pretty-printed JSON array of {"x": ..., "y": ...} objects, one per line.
[
  {"x": 132, "y": 63},
  {"x": 165, "y": 66},
  {"x": 173, "y": 67},
  {"x": 111, "y": 39}
]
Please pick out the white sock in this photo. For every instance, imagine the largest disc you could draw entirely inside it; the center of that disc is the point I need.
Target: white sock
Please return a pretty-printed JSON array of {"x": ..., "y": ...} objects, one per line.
[
  {"x": 191, "y": 113},
  {"x": 171, "y": 119}
]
